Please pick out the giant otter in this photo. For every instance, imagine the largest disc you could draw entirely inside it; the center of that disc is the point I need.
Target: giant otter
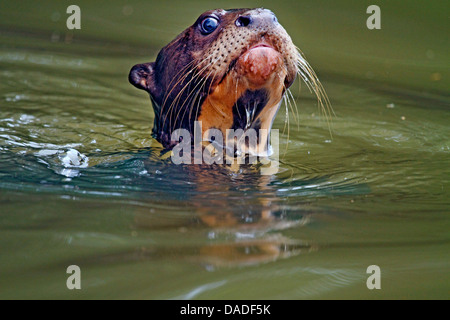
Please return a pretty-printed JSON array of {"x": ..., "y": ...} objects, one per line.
[{"x": 229, "y": 70}]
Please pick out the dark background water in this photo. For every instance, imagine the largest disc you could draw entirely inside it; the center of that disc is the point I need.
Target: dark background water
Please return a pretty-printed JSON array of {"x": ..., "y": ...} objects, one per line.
[{"x": 376, "y": 191}]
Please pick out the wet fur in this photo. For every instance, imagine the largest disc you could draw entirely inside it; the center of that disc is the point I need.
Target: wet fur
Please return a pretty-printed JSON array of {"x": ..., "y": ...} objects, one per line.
[{"x": 194, "y": 77}]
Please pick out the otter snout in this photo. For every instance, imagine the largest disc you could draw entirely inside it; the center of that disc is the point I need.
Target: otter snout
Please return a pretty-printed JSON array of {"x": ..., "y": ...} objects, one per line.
[
  {"x": 229, "y": 70},
  {"x": 257, "y": 18}
]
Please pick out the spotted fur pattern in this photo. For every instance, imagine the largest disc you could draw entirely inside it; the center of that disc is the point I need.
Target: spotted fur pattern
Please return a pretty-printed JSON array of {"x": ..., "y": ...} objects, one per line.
[{"x": 196, "y": 77}]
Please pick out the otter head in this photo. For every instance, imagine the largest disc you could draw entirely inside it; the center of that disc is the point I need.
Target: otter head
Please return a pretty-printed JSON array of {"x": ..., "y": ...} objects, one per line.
[{"x": 229, "y": 70}]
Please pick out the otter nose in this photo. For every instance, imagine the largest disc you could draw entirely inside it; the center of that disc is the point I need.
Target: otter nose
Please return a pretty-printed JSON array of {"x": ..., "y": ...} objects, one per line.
[{"x": 257, "y": 18}]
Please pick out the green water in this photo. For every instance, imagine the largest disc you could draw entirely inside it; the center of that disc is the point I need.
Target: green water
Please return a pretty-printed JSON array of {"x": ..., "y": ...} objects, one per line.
[{"x": 373, "y": 192}]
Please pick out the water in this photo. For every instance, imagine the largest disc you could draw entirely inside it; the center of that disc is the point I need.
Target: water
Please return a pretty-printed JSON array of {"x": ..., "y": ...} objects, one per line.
[{"x": 374, "y": 191}]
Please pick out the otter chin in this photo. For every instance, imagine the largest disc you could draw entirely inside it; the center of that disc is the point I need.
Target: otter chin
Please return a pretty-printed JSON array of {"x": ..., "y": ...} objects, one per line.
[{"x": 229, "y": 71}]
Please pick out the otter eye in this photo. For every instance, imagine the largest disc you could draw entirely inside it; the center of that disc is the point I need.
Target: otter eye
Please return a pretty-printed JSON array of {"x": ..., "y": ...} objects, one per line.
[{"x": 208, "y": 25}]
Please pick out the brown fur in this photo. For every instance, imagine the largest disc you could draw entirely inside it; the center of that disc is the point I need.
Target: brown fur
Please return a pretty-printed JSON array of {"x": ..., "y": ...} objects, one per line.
[{"x": 195, "y": 77}]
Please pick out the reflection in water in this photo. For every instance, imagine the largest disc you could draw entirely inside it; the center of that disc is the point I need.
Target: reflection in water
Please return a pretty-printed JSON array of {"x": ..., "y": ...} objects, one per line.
[
  {"x": 252, "y": 252},
  {"x": 242, "y": 215},
  {"x": 199, "y": 290},
  {"x": 143, "y": 228}
]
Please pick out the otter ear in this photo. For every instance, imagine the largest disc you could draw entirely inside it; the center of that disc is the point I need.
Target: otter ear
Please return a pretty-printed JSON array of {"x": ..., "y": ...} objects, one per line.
[{"x": 141, "y": 76}]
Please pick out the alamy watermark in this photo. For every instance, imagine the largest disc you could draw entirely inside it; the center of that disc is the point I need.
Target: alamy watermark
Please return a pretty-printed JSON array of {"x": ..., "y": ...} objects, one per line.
[
  {"x": 74, "y": 20},
  {"x": 374, "y": 21},
  {"x": 74, "y": 280},
  {"x": 374, "y": 280}
]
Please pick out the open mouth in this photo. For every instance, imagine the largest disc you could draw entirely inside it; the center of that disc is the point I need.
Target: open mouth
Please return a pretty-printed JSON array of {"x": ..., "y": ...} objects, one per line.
[
  {"x": 260, "y": 45},
  {"x": 259, "y": 63}
]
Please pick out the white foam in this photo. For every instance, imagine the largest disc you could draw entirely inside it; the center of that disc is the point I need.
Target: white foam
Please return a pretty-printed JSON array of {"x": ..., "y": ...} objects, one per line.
[{"x": 75, "y": 159}]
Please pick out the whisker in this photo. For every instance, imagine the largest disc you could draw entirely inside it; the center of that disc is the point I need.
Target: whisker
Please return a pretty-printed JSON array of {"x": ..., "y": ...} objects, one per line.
[
  {"x": 294, "y": 103},
  {"x": 288, "y": 131},
  {"x": 202, "y": 83},
  {"x": 287, "y": 114},
  {"x": 185, "y": 75},
  {"x": 313, "y": 83},
  {"x": 175, "y": 101},
  {"x": 236, "y": 98},
  {"x": 214, "y": 106}
]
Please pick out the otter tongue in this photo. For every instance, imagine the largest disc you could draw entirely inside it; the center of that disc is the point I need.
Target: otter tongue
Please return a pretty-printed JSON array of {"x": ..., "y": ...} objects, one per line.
[{"x": 259, "y": 63}]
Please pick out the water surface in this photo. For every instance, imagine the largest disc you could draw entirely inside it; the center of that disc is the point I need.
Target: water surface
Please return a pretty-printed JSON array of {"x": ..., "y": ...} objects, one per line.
[{"x": 374, "y": 190}]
